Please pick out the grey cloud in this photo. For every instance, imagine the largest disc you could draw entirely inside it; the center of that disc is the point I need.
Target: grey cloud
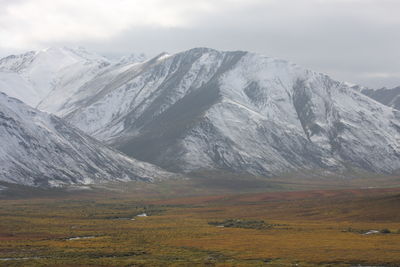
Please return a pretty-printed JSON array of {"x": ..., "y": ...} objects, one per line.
[{"x": 353, "y": 40}]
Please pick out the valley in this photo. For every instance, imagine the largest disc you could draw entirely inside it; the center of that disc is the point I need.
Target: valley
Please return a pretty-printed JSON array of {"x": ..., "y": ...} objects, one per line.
[{"x": 212, "y": 226}]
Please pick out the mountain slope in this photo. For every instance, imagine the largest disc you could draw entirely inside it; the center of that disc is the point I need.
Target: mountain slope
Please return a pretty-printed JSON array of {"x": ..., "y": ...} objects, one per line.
[
  {"x": 206, "y": 109},
  {"x": 388, "y": 97},
  {"x": 40, "y": 149}
]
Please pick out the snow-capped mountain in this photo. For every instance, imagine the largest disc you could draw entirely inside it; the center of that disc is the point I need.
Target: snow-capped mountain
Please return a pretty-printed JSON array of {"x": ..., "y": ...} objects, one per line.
[
  {"x": 40, "y": 149},
  {"x": 49, "y": 76},
  {"x": 389, "y": 97},
  {"x": 206, "y": 109}
]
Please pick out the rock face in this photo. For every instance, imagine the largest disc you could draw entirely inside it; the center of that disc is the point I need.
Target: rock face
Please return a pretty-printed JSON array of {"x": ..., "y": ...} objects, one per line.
[
  {"x": 388, "y": 97},
  {"x": 204, "y": 109},
  {"x": 40, "y": 149}
]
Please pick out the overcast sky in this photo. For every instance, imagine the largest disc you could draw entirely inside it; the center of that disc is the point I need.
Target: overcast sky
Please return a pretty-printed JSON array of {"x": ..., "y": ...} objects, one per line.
[{"x": 351, "y": 40}]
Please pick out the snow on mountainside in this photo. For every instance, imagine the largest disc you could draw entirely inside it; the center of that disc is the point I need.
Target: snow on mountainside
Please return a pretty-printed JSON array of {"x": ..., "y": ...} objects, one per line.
[
  {"x": 49, "y": 75},
  {"x": 40, "y": 149},
  {"x": 206, "y": 109}
]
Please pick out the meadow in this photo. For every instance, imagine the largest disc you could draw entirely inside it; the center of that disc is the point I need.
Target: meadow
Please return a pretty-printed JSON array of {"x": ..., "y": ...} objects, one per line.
[{"x": 325, "y": 227}]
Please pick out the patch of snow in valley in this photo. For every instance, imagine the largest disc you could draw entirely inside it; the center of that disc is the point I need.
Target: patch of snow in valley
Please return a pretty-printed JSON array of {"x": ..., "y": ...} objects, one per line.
[
  {"x": 79, "y": 238},
  {"x": 18, "y": 259},
  {"x": 372, "y": 232}
]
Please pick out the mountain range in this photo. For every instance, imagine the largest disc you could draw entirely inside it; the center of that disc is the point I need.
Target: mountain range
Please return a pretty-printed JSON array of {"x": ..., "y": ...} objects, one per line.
[{"x": 204, "y": 109}]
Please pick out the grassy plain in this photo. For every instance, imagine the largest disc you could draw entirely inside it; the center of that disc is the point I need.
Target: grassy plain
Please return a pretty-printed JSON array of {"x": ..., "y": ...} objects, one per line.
[{"x": 323, "y": 227}]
